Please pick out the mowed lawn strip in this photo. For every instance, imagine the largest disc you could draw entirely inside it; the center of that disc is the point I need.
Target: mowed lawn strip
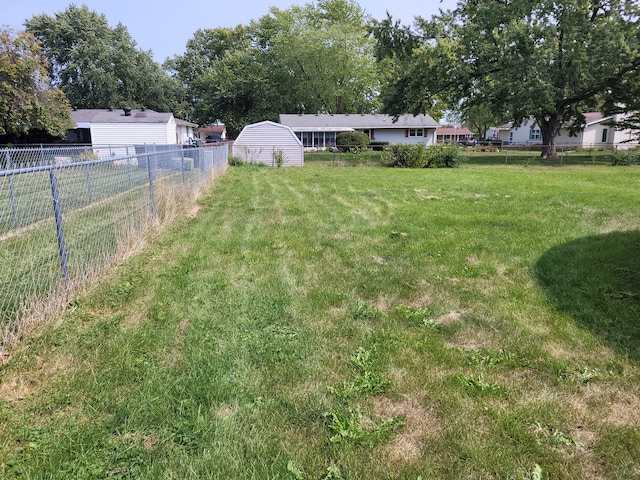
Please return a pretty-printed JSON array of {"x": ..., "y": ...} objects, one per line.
[{"x": 354, "y": 323}]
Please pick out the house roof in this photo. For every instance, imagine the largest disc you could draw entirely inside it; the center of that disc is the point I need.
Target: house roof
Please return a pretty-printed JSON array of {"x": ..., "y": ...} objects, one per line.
[
  {"x": 266, "y": 123},
  {"x": 117, "y": 116},
  {"x": 184, "y": 123},
  {"x": 595, "y": 117},
  {"x": 212, "y": 129},
  {"x": 506, "y": 126},
  {"x": 343, "y": 122},
  {"x": 453, "y": 131}
]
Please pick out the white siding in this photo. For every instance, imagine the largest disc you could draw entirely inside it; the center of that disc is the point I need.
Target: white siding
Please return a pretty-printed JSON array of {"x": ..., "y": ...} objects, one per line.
[
  {"x": 397, "y": 135},
  {"x": 183, "y": 134},
  {"x": 171, "y": 131},
  {"x": 258, "y": 142},
  {"x": 132, "y": 133}
]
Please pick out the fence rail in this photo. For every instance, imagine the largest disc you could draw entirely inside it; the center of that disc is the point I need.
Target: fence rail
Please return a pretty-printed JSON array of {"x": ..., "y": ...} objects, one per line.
[{"x": 66, "y": 213}]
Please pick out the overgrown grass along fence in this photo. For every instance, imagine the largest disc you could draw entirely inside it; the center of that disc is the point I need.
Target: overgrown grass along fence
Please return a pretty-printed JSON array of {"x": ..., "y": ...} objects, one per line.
[{"x": 66, "y": 214}]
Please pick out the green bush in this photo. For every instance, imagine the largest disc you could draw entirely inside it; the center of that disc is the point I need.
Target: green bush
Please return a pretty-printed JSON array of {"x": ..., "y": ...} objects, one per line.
[
  {"x": 347, "y": 141},
  {"x": 402, "y": 155},
  {"x": 235, "y": 161},
  {"x": 420, "y": 156},
  {"x": 626, "y": 158},
  {"x": 443, "y": 156}
]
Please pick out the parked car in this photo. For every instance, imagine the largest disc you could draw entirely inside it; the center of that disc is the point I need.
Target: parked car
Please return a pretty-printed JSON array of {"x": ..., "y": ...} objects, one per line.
[{"x": 467, "y": 142}]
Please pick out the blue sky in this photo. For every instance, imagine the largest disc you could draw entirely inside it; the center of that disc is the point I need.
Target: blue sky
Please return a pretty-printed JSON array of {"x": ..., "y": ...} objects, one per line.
[{"x": 165, "y": 27}]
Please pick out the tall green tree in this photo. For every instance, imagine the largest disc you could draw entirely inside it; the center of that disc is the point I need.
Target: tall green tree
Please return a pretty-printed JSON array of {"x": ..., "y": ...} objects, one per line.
[
  {"x": 322, "y": 56},
  {"x": 97, "y": 66},
  {"x": 316, "y": 57},
  {"x": 27, "y": 101},
  {"x": 213, "y": 61},
  {"x": 551, "y": 60}
]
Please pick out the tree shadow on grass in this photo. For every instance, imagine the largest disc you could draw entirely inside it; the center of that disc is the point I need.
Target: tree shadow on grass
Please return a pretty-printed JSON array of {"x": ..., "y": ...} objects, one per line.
[{"x": 596, "y": 280}]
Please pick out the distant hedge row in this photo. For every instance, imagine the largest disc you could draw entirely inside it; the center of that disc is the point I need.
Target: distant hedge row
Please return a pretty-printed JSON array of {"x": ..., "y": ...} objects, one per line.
[
  {"x": 422, "y": 156},
  {"x": 403, "y": 155}
]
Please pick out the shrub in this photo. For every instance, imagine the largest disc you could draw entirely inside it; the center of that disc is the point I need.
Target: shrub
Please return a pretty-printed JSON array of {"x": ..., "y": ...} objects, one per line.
[
  {"x": 443, "y": 156},
  {"x": 347, "y": 141},
  {"x": 235, "y": 161},
  {"x": 626, "y": 158},
  {"x": 278, "y": 157},
  {"x": 403, "y": 155},
  {"x": 421, "y": 156}
]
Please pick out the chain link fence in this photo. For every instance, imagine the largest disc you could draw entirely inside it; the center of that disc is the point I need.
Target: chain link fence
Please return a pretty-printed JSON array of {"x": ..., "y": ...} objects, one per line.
[{"x": 66, "y": 213}]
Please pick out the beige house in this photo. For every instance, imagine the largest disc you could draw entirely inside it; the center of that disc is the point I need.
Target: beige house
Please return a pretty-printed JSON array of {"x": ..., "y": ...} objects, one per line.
[{"x": 319, "y": 131}]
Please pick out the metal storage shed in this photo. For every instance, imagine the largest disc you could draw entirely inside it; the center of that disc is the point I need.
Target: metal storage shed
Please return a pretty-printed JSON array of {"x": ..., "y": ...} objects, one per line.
[{"x": 269, "y": 143}]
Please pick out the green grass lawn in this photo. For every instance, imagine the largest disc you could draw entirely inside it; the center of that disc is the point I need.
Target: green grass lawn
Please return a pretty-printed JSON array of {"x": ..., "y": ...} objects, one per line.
[{"x": 352, "y": 323}]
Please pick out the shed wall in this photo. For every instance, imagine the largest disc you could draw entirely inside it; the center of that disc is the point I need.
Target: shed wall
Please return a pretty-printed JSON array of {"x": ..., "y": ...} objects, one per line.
[{"x": 257, "y": 143}]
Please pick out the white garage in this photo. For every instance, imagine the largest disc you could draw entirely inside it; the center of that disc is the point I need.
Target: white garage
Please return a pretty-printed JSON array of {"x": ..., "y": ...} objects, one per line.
[{"x": 270, "y": 143}]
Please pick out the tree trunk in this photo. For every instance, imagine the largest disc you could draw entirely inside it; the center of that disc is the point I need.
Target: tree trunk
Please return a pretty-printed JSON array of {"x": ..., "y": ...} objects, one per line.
[{"x": 549, "y": 127}]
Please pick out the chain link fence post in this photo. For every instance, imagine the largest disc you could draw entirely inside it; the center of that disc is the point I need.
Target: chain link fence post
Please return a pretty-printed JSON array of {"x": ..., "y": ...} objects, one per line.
[
  {"x": 12, "y": 191},
  {"x": 152, "y": 198},
  {"x": 57, "y": 213},
  {"x": 86, "y": 159}
]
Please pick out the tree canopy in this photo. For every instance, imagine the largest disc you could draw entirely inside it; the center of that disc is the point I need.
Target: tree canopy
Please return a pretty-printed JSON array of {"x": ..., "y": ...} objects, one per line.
[
  {"x": 316, "y": 57},
  {"x": 97, "y": 66},
  {"x": 28, "y": 103},
  {"x": 550, "y": 60}
]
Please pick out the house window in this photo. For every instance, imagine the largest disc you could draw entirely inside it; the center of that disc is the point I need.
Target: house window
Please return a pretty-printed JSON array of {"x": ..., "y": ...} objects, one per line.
[
  {"x": 416, "y": 132},
  {"x": 510, "y": 137},
  {"x": 604, "y": 135},
  {"x": 534, "y": 134},
  {"x": 307, "y": 139}
]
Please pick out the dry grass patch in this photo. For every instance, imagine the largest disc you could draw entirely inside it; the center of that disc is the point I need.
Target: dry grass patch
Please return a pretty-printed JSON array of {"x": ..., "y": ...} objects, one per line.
[
  {"x": 225, "y": 412},
  {"x": 16, "y": 388},
  {"x": 448, "y": 318},
  {"x": 421, "y": 424},
  {"x": 19, "y": 386},
  {"x": 133, "y": 320},
  {"x": 193, "y": 211},
  {"x": 626, "y": 222},
  {"x": 624, "y": 410}
]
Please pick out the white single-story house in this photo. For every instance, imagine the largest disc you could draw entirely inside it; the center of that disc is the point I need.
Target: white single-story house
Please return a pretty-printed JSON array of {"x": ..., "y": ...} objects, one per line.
[
  {"x": 270, "y": 143},
  {"x": 597, "y": 133},
  {"x": 128, "y": 127},
  {"x": 185, "y": 132},
  {"x": 319, "y": 131},
  {"x": 453, "y": 134}
]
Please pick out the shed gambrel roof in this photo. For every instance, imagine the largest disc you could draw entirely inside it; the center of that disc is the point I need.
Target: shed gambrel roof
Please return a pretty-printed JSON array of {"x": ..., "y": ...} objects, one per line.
[
  {"x": 117, "y": 116},
  {"x": 329, "y": 121}
]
